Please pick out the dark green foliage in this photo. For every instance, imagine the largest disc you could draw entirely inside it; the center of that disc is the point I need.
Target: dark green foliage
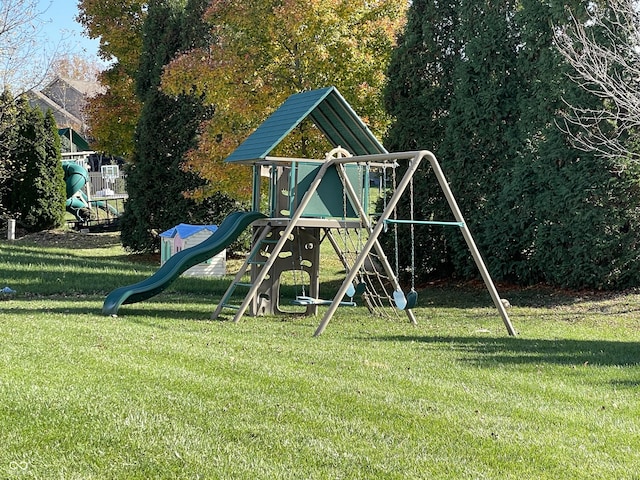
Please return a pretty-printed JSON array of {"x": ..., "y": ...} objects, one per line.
[
  {"x": 155, "y": 181},
  {"x": 480, "y": 84},
  {"x": 420, "y": 84},
  {"x": 8, "y": 143},
  {"x": 35, "y": 190},
  {"x": 166, "y": 131},
  {"x": 194, "y": 32}
]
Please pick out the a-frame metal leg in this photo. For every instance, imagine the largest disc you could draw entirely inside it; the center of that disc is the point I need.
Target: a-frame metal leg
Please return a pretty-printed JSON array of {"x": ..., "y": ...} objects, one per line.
[{"x": 471, "y": 244}]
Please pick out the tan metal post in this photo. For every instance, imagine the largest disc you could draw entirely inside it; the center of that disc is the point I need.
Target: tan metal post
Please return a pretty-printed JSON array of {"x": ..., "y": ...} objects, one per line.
[{"x": 471, "y": 244}]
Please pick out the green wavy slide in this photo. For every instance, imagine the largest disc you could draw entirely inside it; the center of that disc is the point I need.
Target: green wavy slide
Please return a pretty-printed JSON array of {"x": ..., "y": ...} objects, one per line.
[{"x": 230, "y": 228}]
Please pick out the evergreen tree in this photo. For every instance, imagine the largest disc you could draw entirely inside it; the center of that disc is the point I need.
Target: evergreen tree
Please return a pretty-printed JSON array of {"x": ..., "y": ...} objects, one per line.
[
  {"x": 491, "y": 87},
  {"x": 8, "y": 143},
  {"x": 418, "y": 93},
  {"x": 38, "y": 195},
  {"x": 167, "y": 129},
  {"x": 482, "y": 140},
  {"x": 577, "y": 211}
]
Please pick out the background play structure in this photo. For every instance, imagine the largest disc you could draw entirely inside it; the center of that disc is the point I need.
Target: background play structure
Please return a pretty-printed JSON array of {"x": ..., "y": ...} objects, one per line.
[
  {"x": 310, "y": 201},
  {"x": 79, "y": 201}
]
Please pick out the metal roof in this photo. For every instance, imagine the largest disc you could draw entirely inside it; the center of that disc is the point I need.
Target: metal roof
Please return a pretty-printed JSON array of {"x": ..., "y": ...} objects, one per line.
[{"x": 329, "y": 111}]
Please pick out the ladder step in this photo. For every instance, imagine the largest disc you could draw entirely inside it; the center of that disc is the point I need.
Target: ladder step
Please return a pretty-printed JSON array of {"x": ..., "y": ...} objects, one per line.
[
  {"x": 255, "y": 262},
  {"x": 240, "y": 284}
]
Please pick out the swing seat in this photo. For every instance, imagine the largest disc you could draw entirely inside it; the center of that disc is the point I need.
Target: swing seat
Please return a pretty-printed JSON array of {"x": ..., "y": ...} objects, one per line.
[
  {"x": 399, "y": 299},
  {"x": 304, "y": 300},
  {"x": 412, "y": 299},
  {"x": 351, "y": 292},
  {"x": 359, "y": 289},
  {"x": 405, "y": 302}
]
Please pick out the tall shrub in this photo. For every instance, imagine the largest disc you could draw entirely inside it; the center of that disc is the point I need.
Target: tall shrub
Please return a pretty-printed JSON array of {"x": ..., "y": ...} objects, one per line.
[
  {"x": 39, "y": 193},
  {"x": 417, "y": 94},
  {"x": 539, "y": 210},
  {"x": 167, "y": 129},
  {"x": 8, "y": 143}
]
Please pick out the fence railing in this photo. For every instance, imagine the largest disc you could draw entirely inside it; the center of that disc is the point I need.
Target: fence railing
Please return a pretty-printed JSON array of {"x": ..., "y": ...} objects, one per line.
[{"x": 99, "y": 184}]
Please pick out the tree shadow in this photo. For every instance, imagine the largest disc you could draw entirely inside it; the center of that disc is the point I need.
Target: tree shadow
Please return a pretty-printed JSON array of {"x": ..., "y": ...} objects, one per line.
[
  {"x": 126, "y": 313},
  {"x": 30, "y": 271},
  {"x": 487, "y": 351},
  {"x": 474, "y": 294}
]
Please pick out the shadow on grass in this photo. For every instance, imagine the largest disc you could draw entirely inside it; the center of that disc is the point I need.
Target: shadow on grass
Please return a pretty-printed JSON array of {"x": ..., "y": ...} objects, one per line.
[
  {"x": 474, "y": 294},
  {"x": 35, "y": 271},
  {"x": 477, "y": 296},
  {"x": 32, "y": 271},
  {"x": 161, "y": 312},
  {"x": 519, "y": 351}
]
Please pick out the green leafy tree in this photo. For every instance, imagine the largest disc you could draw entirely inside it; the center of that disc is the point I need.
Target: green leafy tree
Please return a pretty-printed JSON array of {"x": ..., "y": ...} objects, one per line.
[
  {"x": 167, "y": 129},
  {"x": 578, "y": 209},
  {"x": 261, "y": 52},
  {"x": 8, "y": 143},
  {"x": 112, "y": 115},
  {"x": 482, "y": 138},
  {"x": 493, "y": 87},
  {"x": 420, "y": 84}
]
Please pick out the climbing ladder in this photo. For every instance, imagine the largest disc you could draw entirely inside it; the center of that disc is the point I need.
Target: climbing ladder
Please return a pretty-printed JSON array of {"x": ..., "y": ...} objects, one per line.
[{"x": 258, "y": 244}]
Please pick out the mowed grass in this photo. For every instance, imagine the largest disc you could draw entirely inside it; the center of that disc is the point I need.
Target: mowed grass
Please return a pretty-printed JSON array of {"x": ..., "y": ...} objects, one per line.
[{"x": 163, "y": 392}]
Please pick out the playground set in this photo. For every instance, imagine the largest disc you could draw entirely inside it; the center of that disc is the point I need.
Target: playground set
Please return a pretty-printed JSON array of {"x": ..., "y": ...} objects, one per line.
[
  {"x": 83, "y": 203},
  {"x": 310, "y": 201}
]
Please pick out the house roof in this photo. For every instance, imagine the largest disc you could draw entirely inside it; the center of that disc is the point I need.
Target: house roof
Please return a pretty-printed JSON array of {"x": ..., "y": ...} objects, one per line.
[
  {"x": 185, "y": 230},
  {"x": 85, "y": 87},
  {"x": 62, "y": 116},
  {"x": 327, "y": 109}
]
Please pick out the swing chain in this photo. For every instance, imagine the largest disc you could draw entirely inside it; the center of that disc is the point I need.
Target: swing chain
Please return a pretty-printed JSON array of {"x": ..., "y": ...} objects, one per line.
[
  {"x": 413, "y": 238},
  {"x": 395, "y": 227}
]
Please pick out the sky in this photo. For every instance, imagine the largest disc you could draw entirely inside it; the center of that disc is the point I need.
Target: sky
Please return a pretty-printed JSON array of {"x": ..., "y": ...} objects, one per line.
[{"x": 60, "y": 25}]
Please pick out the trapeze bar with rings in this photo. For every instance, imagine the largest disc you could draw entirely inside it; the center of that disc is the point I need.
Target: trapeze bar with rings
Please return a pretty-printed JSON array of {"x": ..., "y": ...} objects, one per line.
[{"x": 425, "y": 222}]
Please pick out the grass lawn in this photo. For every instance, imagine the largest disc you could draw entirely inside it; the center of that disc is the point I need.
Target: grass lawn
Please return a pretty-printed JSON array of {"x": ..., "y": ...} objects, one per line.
[{"x": 162, "y": 392}]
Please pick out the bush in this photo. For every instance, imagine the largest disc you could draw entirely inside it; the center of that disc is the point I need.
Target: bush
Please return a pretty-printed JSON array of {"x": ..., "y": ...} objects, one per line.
[{"x": 36, "y": 194}]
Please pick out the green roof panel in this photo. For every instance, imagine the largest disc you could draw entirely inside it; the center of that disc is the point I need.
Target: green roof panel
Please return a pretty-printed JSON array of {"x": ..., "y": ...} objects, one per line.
[
  {"x": 328, "y": 110},
  {"x": 75, "y": 138}
]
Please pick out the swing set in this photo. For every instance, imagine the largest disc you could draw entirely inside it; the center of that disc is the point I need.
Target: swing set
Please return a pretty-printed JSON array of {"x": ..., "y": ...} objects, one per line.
[{"x": 312, "y": 201}]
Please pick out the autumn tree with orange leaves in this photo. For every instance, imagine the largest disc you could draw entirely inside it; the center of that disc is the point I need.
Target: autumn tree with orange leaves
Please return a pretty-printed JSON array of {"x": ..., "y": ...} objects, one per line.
[
  {"x": 261, "y": 52},
  {"x": 113, "y": 115}
]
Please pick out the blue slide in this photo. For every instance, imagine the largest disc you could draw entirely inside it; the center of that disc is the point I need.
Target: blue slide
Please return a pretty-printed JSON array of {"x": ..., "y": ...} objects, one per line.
[{"x": 227, "y": 232}]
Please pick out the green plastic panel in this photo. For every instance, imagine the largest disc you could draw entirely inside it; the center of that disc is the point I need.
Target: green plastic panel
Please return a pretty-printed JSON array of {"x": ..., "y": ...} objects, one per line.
[{"x": 329, "y": 200}]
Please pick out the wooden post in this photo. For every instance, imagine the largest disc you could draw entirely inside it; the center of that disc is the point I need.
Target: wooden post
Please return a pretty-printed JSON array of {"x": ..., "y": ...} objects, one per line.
[{"x": 11, "y": 229}]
